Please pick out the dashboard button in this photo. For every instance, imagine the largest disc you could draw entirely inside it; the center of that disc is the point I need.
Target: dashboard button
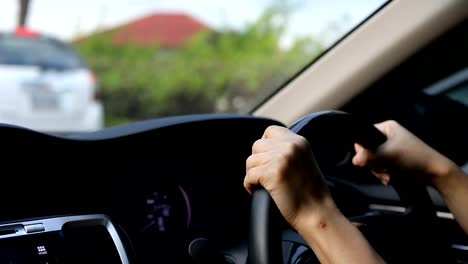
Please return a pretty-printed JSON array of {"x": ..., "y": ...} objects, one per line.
[{"x": 34, "y": 228}]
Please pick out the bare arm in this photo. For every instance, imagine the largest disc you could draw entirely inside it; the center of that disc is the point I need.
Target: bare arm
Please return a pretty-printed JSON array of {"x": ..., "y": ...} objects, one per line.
[
  {"x": 453, "y": 186},
  {"x": 335, "y": 240},
  {"x": 284, "y": 165}
]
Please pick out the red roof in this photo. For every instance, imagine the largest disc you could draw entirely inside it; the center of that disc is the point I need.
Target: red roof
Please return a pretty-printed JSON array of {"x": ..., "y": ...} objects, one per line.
[{"x": 165, "y": 29}]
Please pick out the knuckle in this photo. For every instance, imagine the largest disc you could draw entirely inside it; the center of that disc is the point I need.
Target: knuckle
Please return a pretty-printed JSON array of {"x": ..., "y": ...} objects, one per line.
[
  {"x": 287, "y": 148},
  {"x": 280, "y": 174},
  {"x": 293, "y": 149},
  {"x": 246, "y": 182},
  {"x": 256, "y": 145},
  {"x": 302, "y": 141},
  {"x": 286, "y": 153},
  {"x": 251, "y": 173},
  {"x": 392, "y": 123},
  {"x": 282, "y": 166},
  {"x": 281, "y": 160},
  {"x": 269, "y": 130},
  {"x": 250, "y": 162},
  {"x": 247, "y": 185}
]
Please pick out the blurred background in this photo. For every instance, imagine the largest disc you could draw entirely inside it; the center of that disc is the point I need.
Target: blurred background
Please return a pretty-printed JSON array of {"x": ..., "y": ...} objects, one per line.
[{"x": 79, "y": 66}]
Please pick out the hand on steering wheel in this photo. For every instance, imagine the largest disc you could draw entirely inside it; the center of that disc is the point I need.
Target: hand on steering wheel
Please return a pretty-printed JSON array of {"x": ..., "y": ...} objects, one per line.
[
  {"x": 304, "y": 195},
  {"x": 283, "y": 163}
]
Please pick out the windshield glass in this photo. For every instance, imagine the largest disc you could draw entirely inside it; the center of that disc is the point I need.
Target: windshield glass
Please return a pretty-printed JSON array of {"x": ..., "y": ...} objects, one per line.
[
  {"x": 149, "y": 59},
  {"x": 44, "y": 53}
]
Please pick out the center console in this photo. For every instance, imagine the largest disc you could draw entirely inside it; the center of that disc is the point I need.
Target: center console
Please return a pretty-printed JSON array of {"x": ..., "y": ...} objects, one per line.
[{"x": 71, "y": 239}]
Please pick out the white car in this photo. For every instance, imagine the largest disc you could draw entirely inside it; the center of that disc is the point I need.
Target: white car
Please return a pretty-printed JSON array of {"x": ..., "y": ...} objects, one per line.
[{"x": 45, "y": 86}]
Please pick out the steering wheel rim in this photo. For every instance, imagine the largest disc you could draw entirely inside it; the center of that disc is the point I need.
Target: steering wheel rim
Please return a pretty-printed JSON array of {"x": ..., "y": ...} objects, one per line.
[{"x": 265, "y": 242}]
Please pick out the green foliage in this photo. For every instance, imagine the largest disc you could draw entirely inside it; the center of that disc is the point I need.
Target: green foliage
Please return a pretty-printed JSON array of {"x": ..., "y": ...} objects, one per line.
[{"x": 221, "y": 71}]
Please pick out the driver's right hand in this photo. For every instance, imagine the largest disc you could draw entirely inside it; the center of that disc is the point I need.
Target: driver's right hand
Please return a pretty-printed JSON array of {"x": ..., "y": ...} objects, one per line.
[{"x": 404, "y": 152}]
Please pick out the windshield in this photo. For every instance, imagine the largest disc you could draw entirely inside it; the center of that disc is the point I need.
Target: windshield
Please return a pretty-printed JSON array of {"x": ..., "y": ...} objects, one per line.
[
  {"x": 44, "y": 53},
  {"x": 150, "y": 59}
]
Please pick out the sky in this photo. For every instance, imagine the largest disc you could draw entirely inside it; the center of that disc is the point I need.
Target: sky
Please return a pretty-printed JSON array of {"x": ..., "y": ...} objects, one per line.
[{"x": 68, "y": 19}]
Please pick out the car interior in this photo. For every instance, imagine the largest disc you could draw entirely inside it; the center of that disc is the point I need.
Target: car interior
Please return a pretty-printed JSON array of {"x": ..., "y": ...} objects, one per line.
[{"x": 174, "y": 192}]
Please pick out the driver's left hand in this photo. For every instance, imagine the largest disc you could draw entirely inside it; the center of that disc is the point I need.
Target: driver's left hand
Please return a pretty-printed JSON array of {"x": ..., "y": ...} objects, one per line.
[{"x": 283, "y": 163}]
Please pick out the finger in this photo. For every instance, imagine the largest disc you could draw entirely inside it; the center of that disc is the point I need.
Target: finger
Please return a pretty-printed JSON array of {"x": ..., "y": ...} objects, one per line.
[
  {"x": 383, "y": 177},
  {"x": 276, "y": 131},
  {"x": 358, "y": 159},
  {"x": 265, "y": 145},
  {"x": 362, "y": 156},
  {"x": 259, "y": 159},
  {"x": 388, "y": 127},
  {"x": 267, "y": 176},
  {"x": 262, "y": 145},
  {"x": 358, "y": 147},
  {"x": 367, "y": 158},
  {"x": 252, "y": 178},
  {"x": 381, "y": 126}
]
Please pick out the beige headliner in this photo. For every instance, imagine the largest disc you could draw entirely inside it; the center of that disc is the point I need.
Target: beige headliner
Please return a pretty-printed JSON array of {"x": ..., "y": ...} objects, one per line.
[{"x": 385, "y": 40}]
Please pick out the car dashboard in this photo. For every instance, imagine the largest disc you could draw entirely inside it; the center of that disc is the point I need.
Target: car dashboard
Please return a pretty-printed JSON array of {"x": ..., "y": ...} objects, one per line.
[
  {"x": 171, "y": 189},
  {"x": 162, "y": 183}
]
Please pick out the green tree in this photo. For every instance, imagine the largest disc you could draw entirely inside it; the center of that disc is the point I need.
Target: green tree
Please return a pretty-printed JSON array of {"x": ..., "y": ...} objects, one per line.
[{"x": 217, "y": 71}]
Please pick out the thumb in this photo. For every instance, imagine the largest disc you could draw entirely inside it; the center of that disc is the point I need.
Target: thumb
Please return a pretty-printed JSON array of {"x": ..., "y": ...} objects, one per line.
[{"x": 362, "y": 156}]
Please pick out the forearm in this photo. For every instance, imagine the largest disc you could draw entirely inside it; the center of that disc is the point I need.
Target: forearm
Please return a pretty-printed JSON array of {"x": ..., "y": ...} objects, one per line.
[
  {"x": 454, "y": 189},
  {"x": 335, "y": 240}
]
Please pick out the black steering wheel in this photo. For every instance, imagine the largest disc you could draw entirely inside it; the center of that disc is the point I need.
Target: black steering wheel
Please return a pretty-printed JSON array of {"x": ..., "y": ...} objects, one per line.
[{"x": 265, "y": 241}]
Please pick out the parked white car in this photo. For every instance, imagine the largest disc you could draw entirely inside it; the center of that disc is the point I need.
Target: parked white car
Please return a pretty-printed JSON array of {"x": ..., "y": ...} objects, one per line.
[{"x": 45, "y": 86}]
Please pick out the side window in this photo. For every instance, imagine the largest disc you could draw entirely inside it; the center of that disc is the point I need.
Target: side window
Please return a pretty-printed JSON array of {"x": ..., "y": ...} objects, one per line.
[
  {"x": 454, "y": 91},
  {"x": 454, "y": 87},
  {"x": 459, "y": 94}
]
